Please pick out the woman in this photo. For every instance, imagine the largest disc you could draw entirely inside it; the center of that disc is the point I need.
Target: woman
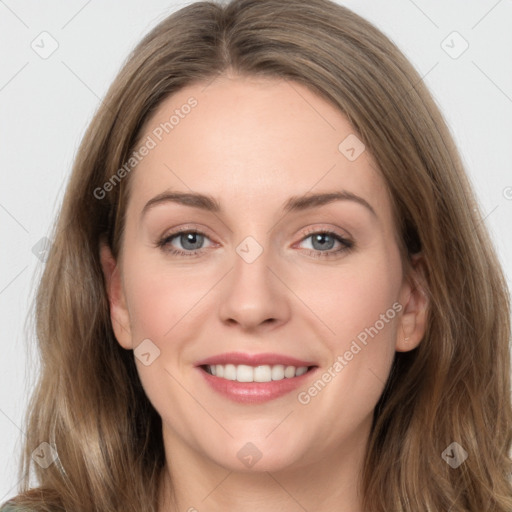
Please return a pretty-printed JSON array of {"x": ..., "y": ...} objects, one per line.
[{"x": 270, "y": 285}]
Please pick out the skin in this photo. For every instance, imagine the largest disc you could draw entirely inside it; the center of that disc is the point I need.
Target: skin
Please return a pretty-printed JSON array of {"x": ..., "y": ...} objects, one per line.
[{"x": 252, "y": 144}]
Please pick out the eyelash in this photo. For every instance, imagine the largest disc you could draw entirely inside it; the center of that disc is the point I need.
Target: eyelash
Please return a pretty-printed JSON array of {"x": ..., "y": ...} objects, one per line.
[{"x": 347, "y": 245}]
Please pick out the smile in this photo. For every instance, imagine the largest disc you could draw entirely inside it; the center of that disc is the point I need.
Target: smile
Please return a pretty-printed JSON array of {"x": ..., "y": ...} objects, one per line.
[
  {"x": 262, "y": 373},
  {"x": 254, "y": 378}
]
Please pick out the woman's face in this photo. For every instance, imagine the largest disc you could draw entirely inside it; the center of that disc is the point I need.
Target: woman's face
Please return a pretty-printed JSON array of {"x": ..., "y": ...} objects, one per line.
[{"x": 259, "y": 243}]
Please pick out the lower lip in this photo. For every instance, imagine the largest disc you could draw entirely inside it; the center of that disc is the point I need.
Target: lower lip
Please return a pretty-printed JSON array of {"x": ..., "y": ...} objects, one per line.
[{"x": 254, "y": 392}]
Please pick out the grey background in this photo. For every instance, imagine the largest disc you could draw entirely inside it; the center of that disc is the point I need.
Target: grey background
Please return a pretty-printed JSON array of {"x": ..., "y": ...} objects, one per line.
[{"x": 46, "y": 104}]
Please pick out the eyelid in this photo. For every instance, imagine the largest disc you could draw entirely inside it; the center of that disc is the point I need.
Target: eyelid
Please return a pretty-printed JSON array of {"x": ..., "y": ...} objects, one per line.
[
  {"x": 187, "y": 228},
  {"x": 319, "y": 228},
  {"x": 163, "y": 242},
  {"x": 345, "y": 241},
  {"x": 204, "y": 231}
]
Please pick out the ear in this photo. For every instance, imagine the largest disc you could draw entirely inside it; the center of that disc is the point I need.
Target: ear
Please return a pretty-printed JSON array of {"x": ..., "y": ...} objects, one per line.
[
  {"x": 414, "y": 298},
  {"x": 119, "y": 315}
]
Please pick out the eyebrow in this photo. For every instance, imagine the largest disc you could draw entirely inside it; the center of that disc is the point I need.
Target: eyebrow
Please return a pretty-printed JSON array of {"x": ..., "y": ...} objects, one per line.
[{"x": 293, "y": 204}]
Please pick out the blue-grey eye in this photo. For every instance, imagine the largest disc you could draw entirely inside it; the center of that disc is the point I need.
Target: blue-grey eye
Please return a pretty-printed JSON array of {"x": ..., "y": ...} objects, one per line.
[
  {"x": 321, "y": 241},
  {"x": 326, "y": 242},
  {"x": 191, "y": 241}
]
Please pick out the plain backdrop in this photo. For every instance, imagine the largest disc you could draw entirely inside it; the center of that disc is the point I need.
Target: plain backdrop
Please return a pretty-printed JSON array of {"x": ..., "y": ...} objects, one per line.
[{"x": 46, "y": 102}]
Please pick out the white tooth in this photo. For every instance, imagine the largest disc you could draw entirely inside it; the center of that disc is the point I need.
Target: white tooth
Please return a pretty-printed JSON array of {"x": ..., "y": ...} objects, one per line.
[
  {"x": 230, "y": 372},
  {"x": 262, "y": 374},
  {"x": 244, "y": 373},
  {"x": 301, "y": 371},
  {"x": 277, "y": 372},
  {"x": 289, "y": 372}
]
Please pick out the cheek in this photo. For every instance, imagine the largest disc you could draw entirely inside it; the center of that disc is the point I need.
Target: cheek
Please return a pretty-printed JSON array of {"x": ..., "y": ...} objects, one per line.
[
  {"x": 164, "y": 300},
  {"x": 355, "y": 297},
  {"x": 365, "y": 310},
  {"x": 359, "y": 305},
  {"x": 166, "y": 306},
  {"x": 346, "y": 301}
]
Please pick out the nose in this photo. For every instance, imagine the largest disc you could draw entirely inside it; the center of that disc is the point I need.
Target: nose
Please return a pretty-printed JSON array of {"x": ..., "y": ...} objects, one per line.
[{"x": 253, "y": 297}]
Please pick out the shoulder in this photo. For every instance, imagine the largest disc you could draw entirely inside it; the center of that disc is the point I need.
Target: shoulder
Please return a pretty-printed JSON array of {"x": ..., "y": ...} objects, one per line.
[
  {"x": 12, "y": 507},
  {"x": 31, "y": 501}
]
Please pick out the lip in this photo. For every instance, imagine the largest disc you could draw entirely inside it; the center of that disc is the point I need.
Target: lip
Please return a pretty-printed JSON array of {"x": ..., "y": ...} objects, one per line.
[
  {"x": 254, "y": 392},
  {"x": 254, "y": 360}
]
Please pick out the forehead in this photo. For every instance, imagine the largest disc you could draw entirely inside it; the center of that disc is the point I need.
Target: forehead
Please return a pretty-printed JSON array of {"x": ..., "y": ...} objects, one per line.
[{"x": 253, "y": 142}]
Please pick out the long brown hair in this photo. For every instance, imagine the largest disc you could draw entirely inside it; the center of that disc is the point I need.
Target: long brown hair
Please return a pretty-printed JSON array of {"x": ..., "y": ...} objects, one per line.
[{"x": 89, "y": 404}]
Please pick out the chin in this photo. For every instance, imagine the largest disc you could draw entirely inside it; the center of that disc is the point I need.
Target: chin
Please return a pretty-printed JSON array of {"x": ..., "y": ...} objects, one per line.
[{"x": 258, "y": 456}]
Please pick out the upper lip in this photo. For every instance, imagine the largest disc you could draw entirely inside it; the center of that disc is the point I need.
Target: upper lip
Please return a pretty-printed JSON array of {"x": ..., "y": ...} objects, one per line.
[{"x": 270, "y": 359}]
